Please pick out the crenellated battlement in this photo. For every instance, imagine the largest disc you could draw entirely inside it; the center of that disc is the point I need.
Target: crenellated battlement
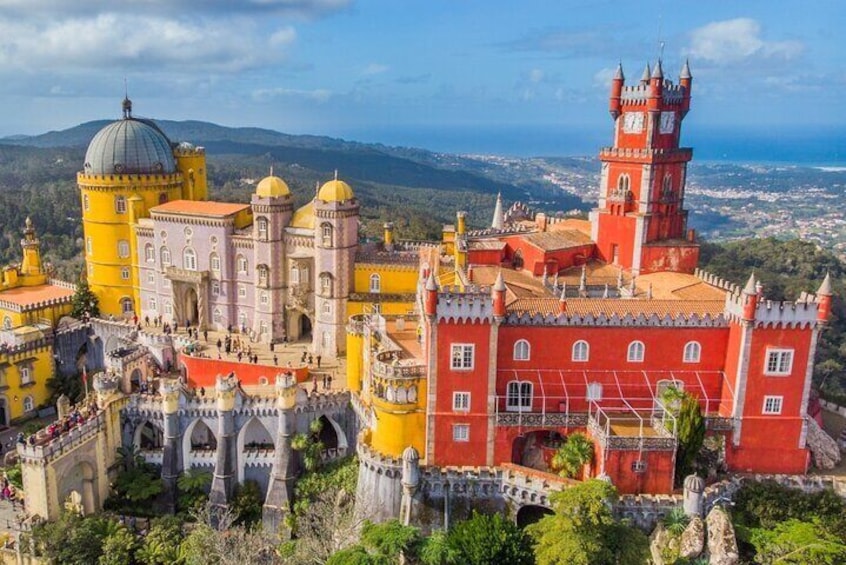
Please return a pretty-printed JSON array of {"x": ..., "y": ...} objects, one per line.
[
  {"x": 474, "y": 304},
  {"x": 771, "y": 313},
  {"x": 714, "y": 280}
]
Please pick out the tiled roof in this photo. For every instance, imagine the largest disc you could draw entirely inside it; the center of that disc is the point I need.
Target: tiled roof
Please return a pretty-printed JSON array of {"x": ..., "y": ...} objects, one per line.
[
  {"x": 552, "y": 241},
  {"x": 487, "y": 244},
  {"x": 619, "y": 306},
  {"x": 26, "y": 295},
  {"x": 199, "y": 208}
]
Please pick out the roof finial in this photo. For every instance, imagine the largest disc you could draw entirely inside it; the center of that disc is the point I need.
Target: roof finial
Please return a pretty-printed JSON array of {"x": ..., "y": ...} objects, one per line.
[
  {"x": 824, "y": 290},
  {"x": 336, "y": 175},
  {"x": 271, "y": 170},
  {"x": 127, "y": 103}
]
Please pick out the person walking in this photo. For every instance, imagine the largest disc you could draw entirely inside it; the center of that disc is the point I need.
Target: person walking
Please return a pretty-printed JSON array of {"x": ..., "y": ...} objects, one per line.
[{"x": 318, "y": 361}]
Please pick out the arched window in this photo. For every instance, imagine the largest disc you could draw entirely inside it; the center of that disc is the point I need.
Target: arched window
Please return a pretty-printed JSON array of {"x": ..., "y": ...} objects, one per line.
[
  {"x": 168, "y": 308},
  {"x": 29, "y": 404},
  {"x": 594, "y": 392},
  {"x": 295, "y": 275},
  {"x": 7, "y": 323},
  {"x": 216, "y": 316},
  {"x": 165, "y": 253},
  {"x": 189, "y": 259},
  {"x": 85, "y": 204},
  {"x": 242, "y": 320},
  {"x": 241, "y": 264},
  {"x": 327, "y": 308},
  {"x": 623, "y": 183},
  {"x": 375, "y": 283},
  {"x": 326, "y": 235},
  {"x": 522, "y": 350},
  {"x": 326, "y": 284},
  {"x": 581, "y": 351},
  {"x": 518, "y": 397},
  {"x": 162, "y": 197},
  {"x": 263, "y": 273},
  {"x": 150, "y": 253},
  {"x": 261, "y": 227},
  {"x": 120, "y": 204},
  {"x": 126, "y": 305},
  {"x": 636, "y": 350},
  {"x": 154, "y": 305},
  {"x": 214, "y": 262},
  {"x": 123, "y": 249},
  {"x": 124, "y": 273},
  {"x": 692, "y": 352}
]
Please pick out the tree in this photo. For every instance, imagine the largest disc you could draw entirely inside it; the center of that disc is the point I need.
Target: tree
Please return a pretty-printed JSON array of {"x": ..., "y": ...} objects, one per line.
[
  {"x": 247, "y": 503},
  {"x": 193, "y": 490},
  {"x": 690, "y": 428},
  {"x": 794, "y": 542},
  {"x": 84, "y": 300},
  {"x": 72, "y": 539},
  {"x": 436, "y": 550},
  {"x": 573, "y": 455},
  {"x": 217, "y": 540},
  {"x": 119, "y": 548},
  {"x": 485, "y": 539},
  {"x": 161, "y": 546},
  {"x": 583, "y": 531}
]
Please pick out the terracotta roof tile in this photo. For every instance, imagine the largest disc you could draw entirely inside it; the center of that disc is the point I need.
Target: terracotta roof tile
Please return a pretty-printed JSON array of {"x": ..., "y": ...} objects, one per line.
[
  {"x": 551, "y": 241},
  {"x": 199, "y": 208},
  {"x": 619, "y": 306},
  {"x": 26, "y": 295}
]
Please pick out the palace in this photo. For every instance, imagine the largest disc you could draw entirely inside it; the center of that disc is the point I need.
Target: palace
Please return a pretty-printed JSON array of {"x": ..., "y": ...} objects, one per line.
[{"x": 468, "y": 361}]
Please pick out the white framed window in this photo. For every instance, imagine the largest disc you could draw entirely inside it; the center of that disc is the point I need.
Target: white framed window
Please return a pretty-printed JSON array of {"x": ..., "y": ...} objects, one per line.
[
  {"x": 326, "y": 232},
  {"x": 215, "y": 287},
  {"x": 168, "y": 307},
  {"x": 461, "y": 401},
  {"x": 216, "y": 316},
  {"x": 772, "y": 404},
  {"x": 692, "y": 352},
  {"x": 26, "y": 375},
  {"x": 29, "y": 404},
  {"x": 594, "y": 392},
  {"x": 375, "y": 283},
  {"x": 124, "y": 273},
  {"x": 150, "y": 253},
  {"x": 261, "y": 225},
  {"x": 120, "y": 204},
  {"x": 241, "y": 264},
  {"x": 89, "y": 246},
  {"x": 522, "y": 350},
  {"x": 123, "y": 249},
  {"x": 242, "y": 291},
  {"x": 263, "y": 274},
  {"x": 376, "y": 308},
  {"x": 326, "y": 284},
  {"x": 327, "y": 308},
  {"x": 151, "y": 277},
  {"x": 85, "y": 204},
  {"x": 214, "y": 262},
  {"x": 165, "y": 256},
  {"x": 189, "y": 259},
  {"x": 461, "y": 432},
  {"x": 581, "y": 351},
  {"x": 154, "y": 305},
  {"x": 264, "y": 299},
  {"x": 779, "y": 362},
  {"x": 126, "y": 305},
  {"x": 462, "y": 356},
  {"x": 518, "y": 396},
  {"x": 636, "y": 350},
  {"x": 295, "y": 275}
]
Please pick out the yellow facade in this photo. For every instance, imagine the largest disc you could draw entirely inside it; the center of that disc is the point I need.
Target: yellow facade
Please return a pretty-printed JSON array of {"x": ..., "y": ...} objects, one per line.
[
  {"x": 24, "y": 371},
  {"x": 111, "y": 204}
]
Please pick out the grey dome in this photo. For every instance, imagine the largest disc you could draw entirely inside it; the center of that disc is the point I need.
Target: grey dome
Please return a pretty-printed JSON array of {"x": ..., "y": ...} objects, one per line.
[{"x": 129, "y": 146}]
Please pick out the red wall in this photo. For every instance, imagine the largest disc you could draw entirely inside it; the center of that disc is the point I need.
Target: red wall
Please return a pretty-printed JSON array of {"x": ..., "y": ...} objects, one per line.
[
  {"x": 485, "y": 256},
  {"x": 202, "y": 372},
  {"x": 617, "y": 230},
  {"x": 677, "y": 259},
  {"x": 658, "y": 478},
  {"x": 475, "y": 381}
]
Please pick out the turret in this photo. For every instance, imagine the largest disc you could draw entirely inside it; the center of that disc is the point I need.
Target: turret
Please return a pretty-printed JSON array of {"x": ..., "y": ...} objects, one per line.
[
  {"x": 614, "y": 105},
  {"x": 431, "y": 296},
  {"x": 106, "y": 388},
  {"x": 389, "y": 236},
  {"x": 750, "y": 298},
  {"x": 31, "y": 264},
  {"x": 498, "y": 218},
  {"x": 824, "y": 299},
  {"x": 686, "y": 81},
  {"x": 498, "y": 296},
  {"x": 644, "y": 78},
  {"x": 461, "y": 223},
  {"x": 656, "y": 87},
  {"x": 460, "y": 240}
]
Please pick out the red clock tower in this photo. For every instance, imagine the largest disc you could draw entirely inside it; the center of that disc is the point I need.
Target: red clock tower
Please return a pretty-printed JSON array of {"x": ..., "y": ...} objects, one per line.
[{"x": 640, "y": 223}]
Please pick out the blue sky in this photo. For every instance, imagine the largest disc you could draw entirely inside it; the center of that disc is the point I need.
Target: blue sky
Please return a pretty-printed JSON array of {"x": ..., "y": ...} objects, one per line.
[{"x": 358, "y": 67}]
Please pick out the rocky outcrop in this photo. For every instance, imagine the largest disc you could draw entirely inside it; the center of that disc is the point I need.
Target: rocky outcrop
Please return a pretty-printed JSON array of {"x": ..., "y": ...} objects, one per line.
[
  {"x": 824, "y": 450},
  {"x": 722, "y": 544},
  {"x": 692, "y": 539},
  {"x": 660, "y": 546}
]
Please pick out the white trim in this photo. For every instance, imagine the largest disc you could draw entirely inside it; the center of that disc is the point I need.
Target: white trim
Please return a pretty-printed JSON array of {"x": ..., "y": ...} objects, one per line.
[
  {"x": 580, "y": 358},
  {"x": 637, "y": 248},
  {"x": 520, "y": 355},
  {"x": 461, "y": 432},
  {"x": 521, "y": 399},
  {"x": 694, "y": 346},
  {"x": 461, "y": 401},
  {"x": 776, "y": 405},
  {"x": 631, "y": 356},
  {"x": 780, "y": 353},
  {"x": 461, "y": 366}
]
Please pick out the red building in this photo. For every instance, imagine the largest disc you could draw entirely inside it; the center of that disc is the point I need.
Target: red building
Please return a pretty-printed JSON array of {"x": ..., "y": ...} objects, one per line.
[{"x": 560, "y": 326}]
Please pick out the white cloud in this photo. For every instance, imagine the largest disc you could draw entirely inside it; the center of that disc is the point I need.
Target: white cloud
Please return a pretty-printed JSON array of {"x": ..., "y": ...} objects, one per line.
[
  {"x": 374, "y": 69},
  {"x": 602, "y": 77},
  {"x": 319, "y": 95},
  {"x": 536, "y": 75},
  {"x": 738, "y": 40}
]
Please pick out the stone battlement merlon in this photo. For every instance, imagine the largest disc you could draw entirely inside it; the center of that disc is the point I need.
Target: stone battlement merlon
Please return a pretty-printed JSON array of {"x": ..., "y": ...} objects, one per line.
[
  {"x": 648, "y": 153},
  {"x": 716, "y": 281},
  {"x": 775, "y": 313},
  {"x": 473, "y": 304}
]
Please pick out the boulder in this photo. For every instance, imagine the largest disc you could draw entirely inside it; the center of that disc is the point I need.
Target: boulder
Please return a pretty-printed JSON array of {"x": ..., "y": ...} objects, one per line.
[
  {"x": 692, "y": 539},
  {"x": 722, "y": 544},
  {"x": 663, "y": 546},
  {"x": 824, "y": 450}
]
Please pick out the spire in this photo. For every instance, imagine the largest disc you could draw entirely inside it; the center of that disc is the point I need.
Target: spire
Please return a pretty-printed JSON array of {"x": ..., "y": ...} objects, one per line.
[
  {"x": 430, "y": 282},
  {"x": 825, "y": 287},
  {"x": 658, "y": 72},
  {"x": 605, "y": 294},
  {"x": 583, "y": 279},
  {"x": 619, "y": 74},
  {"x": 497, "y": 215},
  {"x": 336, "y": 175},
  {"x": 563, "y": 292},
  {"x": 749, "y": 289},
  {"x": 499, "y": 284},
  {"x": 685, "y": 72},
  {"x": 646, "y": 74},
  {"x": 271, "y": 170}
]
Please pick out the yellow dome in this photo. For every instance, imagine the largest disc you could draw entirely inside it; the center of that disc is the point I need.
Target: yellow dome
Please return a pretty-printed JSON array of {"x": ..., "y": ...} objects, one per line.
[
  {"x": 335, "y": 191},
  {"x": 271, "y": 187},
  {"x": 304, "y": 217}
]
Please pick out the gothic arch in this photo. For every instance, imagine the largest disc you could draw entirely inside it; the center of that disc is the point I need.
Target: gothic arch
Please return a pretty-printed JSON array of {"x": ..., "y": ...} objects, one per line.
[
  {"x": 79, "y": 479},
  {"x": 336, "y": 430},
  {"x": 254, "y": 431},
  {"x": 146, "y": 433},
  {"x": 188, "y": 438}
]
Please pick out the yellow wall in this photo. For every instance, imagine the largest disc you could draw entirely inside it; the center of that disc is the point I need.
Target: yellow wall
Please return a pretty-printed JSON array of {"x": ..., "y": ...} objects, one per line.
[
  {"x": 395, "y": 279},
  {"x": 192, "y": 164},
  {"x": 386, "y": 308},
  {"x": 396, "y": 430},
  {"x": 39, "y": 358},
  {"x": 52, "y": 313}
]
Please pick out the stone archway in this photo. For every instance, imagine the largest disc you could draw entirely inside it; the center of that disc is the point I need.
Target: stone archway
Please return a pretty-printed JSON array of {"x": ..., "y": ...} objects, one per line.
[
  {"x": 536, "y": 449},
  {"x": 530, "y": 514},
  {"x": 148, "y": 436},
  {"x": 197, "y": 440},
  {"x": 332, "y": 434},
  {"x": 252, "y": 438},
  {"x": 299, "y": 326},
  {"x": 191, "y": 306},
  {"x": 77, "y": 485}
]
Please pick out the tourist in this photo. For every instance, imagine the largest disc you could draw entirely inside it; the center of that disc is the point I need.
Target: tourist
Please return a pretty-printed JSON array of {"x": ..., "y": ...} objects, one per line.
[
  {"x": 147, "y": 321},
  {"x": 330, "y": 381},
  {"x": 219, "y": 345},
  {"x": 202, "y": 392},
  {"x": 271, "y": 347},
  {"x": 275, "y": 359},
  {"x": 303, "y": 360},
  {"x": 206, "y": 335},
  {"x": 314, "y": 384},
  {"x": 310, "y": 359},
  {"x": 318, "y": 361},
  {"x": 324, "y": 381},
  {"x": 239, "y": 356}
]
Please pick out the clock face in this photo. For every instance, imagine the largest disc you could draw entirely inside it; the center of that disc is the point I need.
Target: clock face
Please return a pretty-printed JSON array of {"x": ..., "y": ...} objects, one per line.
[
  {"x": 633, "y": 122},
  {"x": 668, "y": 122}
]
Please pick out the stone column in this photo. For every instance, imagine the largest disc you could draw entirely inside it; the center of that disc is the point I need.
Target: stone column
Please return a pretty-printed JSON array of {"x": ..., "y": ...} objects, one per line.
[
  {"x": 410, "y": 482},
  {"x": 694, "y": 487},
  {"x": 225, "y": 477},
  {"x": 280, "y": 491},
  {"x": 172, "y": 464}
]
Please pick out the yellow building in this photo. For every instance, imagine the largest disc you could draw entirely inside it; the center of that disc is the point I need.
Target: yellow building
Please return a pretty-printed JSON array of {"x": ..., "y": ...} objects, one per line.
[
  {"x": 130, "y": 167},
  {"x": 30, "y": 307}
]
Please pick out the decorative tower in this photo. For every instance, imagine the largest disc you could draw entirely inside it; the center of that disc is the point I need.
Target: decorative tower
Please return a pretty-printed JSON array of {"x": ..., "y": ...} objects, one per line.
[
  {"x": 498, "y": 216},
  {"x": 129, "y": 159},
  {"x": 280, "y": 492},
  {"x": 31, "y": 265},
  {"x": 272, "y": 210},
  {"x": 225, "y": 477},
  {"x": 335, "y": 241},
  {"x": 172, "y": 463},
  {"x": 640, "y": 223}
]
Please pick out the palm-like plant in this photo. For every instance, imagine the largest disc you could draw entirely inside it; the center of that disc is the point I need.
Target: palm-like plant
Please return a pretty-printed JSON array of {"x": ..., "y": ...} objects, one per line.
[
  {"x": 676, "y": 521},
  {"x": 573, "y": 455}
]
